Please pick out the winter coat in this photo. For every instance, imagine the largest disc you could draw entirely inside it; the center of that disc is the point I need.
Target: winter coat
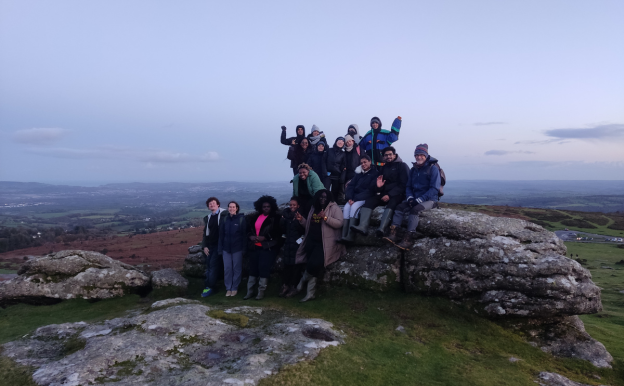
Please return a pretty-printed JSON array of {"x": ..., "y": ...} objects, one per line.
[
  {"x": 332, "y": 232},
  {"x": 322, "y": 139},
  {"x": 297, "y": 155},
  {"x": 352, "y": 160},
  {"x": 356, "y": 136},
  {"x": 221, "y": 213},
  {"x": 336, "y": 162},
  {"x": 297, "y": 138},
  {"x": 374, "y": 141},
  {"x": 293, "y": 230},
  {"x": 395, "y": 174},
  {"x": 270, "y": 229},
  {"x": 424, "y": 182},
  {"x": 318, "y": 162},
  {"x": 314, "y": 184},
  {"x": 233, "y": 234},
  {"x": 362, "y": 186}
]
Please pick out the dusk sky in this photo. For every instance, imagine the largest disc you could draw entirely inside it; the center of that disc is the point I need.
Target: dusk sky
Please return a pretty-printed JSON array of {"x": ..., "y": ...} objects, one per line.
[{"x": 196, "y": 91}]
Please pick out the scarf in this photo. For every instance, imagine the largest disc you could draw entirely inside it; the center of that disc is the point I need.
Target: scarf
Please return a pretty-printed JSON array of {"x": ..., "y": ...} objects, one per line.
[{"x": 314, "y": 139}]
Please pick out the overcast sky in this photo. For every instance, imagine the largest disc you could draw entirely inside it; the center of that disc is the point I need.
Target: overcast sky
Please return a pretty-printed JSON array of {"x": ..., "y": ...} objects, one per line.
[{"x": 155, "y": 91}]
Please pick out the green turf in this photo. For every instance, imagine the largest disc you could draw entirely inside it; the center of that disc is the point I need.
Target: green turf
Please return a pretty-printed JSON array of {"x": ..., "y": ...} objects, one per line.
[{"x": 7, "y": 271}]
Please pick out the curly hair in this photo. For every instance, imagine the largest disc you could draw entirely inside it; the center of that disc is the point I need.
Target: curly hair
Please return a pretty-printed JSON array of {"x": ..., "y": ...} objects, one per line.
[
  {"x": 270, "y": 199},
  {"x": 213, "y": 199}
]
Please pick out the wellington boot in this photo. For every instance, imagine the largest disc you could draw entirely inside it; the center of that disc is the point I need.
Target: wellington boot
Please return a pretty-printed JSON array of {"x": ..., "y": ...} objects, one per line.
[
  {"x": 386, "y": 219},
  {"x": 349, "y": 237},
  {"x": 311, "y": 290},
  {"x": 262, "y": 285},
  {"x": 365, "y": 216},
  {"x": 392, "y": 237},
  {"x": 250, "y": 287},
  {"x": 304, "y": 279},
  {"x": 345, "y": 228},
  {"x": 407, "y": 242}
]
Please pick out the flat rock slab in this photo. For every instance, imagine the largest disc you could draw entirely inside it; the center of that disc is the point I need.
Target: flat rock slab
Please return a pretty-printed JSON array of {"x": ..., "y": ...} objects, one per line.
[
  {"x": 173, "y": 343},
  {"x": 71, "y": 274},
  {"x": 168, "y": 277},
  {"x": 553, "y": 379}
]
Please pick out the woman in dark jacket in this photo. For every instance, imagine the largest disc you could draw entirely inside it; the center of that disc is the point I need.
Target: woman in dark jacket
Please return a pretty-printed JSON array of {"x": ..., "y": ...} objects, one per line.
[
  {"x": 298, "y": 154},
  {"x": 337, "y": 169},
  {"x": 362, "y": 187},
  {"x": 264, "y": 236},
  {"x": 293, "y": 232},
  {"x": 318, "y": 161},
  {"x": 232, "y": 243},
  {"x": 352, "y": 158}
]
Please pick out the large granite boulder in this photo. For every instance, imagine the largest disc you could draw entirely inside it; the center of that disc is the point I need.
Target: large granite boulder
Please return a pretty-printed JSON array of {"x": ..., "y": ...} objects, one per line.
[
  {"x": 367, "y": 267},
  {"x": 169, "y": 281},
  {"x": 72, "y": 274},
  {"x": 195, "y": 262},
  {"x": 175, "y": 342}
]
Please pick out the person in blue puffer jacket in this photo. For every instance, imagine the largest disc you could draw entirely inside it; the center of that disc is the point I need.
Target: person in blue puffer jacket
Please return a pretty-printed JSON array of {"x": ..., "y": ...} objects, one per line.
[
  {"x": 376, "y": 140},
  {"x": 423, "y": 186}
]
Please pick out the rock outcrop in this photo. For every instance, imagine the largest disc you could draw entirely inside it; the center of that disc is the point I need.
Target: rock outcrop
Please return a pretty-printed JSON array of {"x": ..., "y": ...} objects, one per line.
[
  {"x": 169, "y": 281},
  {"x": 175, "y": 342},
  {"x": 553, "y": 379},
  {"x": 72, "y": 274},
  {"x": 367, "y": 267},
  {"x": 194, "y": 263}
]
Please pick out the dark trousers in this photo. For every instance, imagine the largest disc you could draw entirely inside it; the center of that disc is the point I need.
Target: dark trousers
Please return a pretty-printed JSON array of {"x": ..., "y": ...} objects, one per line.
[
  {"x": 376, "y": 201},
  {"x": 412, "y": 212},
  {"x": 336, "y": 186},
  {"x": 316, "y": 258},
  {"x": 261, "y": 262},
  {"x": 212, "y": 267},
  {"x": 292, "y": 274}
]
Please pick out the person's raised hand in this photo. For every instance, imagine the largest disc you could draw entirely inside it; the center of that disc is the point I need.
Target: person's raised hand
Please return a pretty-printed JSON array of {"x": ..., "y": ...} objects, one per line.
[
  {"x": 284, "y": 128},
  {"x": 293, "y": 142},
  {"x": 380, "y": 182},
  {"x": 298, "y": 216},
  {"x": 322, "y": 213}
]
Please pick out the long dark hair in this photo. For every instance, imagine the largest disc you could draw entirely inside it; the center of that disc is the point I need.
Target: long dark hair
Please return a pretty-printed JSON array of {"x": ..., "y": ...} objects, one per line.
[
  {"x": 317, "y": 197},
  {"x": 270, "y": 199}
]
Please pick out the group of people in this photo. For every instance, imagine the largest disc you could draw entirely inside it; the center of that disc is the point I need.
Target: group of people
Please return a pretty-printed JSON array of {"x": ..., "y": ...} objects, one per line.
[{"x": 360, "y": 172}]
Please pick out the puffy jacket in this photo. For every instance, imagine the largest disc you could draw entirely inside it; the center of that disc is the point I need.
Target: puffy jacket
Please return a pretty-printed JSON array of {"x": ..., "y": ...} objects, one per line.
[
  {"x": 396, "y": 174},
  {"x": 352, "y": 159},
  {"x": 221, "y": 213},
  {"x": 424, "y": 183},
  {"x": 318, "y": 162},
  {"x": 362, "y": 186},
  {"x": 293, "y": 230},
  {"x": 270, "y": 229},
  {"x": 232, "y": 233},
  {"x": 336, "y": 162},
  {"x": 374, "y": 141},
  {"x": 297, "y": 155},
  {"x": 314, "y": 184}
]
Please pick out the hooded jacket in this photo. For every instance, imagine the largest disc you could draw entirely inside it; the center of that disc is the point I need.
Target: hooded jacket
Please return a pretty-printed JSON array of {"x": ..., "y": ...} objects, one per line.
[
  {"x": 314, "y": 184},
  {"x": 297, "y": 155},
  {"x": 221, "y": 213},
  {"x": 424, "y": 183},
  {"x": 298, "y": 138},
  {"x": 233, "y": 233},
  {"x": 356, "y": 136},
  {"x": 318, "y": 161},
  {"x": 396, "y": 174},
  {"x": 363, "y": 185},
  {"x": 374, "y": 141},
  {"x": 336, "y": 162}
]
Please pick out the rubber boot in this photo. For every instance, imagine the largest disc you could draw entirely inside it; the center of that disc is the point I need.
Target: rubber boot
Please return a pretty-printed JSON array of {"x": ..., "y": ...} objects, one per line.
[
  {"x": 392, "y": 237},
  {"x": 304, "y": 279},
  {"x": 262, "y": 285},
  {"x": 386, "y": 219},
  {"x": 250, "y": 284},
  {"x": 311, "y": 290},
  {"x": 345, "y": 230},
  {"x": 365, "y": 216},
  {"x": 407, "y": 242},
  {"x": 349, "y": 237}
]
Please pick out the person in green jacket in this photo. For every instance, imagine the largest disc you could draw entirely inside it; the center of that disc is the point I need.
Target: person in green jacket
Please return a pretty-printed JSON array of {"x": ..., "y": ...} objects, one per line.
[{"x": 305, "y": 186}]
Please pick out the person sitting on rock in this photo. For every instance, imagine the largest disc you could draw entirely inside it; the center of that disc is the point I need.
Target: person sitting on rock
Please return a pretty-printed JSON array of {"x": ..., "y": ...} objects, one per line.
[
  {"x": 298, "y": 154},
  {"x": 362, "y": 187},
  {"x": 232, "y": 245},
  {"x": 391, "y": 184},
  {"x": 320, "y": 246},
  {"x": 265, "y": 236},
  {"x": 336, "y": 170},
  {"x": 293, "y": 232},
  {"x": 210, "y": 245},
  {"x": 422, "y": 191},
  {"x": 305, "y": 186}
]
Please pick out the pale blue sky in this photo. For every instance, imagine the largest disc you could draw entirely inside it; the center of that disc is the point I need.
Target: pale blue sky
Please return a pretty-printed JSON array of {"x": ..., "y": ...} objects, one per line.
[{"x": 119, "y": 91}]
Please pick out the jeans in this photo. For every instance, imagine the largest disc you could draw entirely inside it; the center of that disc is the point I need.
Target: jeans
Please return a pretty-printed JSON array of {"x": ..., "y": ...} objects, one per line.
[
  {"x": 261, "y": 262},
  {"x": 233, "y": 268},
  {"x": 413, "y": 212},
  {"x": 350, "y": 210},
  {"x": 212, "y": 267}
]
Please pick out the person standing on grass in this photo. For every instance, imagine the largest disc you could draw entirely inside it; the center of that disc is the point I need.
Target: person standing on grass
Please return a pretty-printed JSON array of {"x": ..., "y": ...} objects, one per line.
[
  {"x": 361, "y": 188},
  {"x": 265, "y": 236},
  {"x": 305, "y": 186},
  {"x": 210, "y": 245},
  {"x": 293, "y": 232},
  {"x": 320, "y": 246},
  {"x": 232, "y": 243}
]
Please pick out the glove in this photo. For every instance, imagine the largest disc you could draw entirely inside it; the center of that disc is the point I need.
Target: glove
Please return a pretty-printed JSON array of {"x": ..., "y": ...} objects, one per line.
[
  {"x": 411, "y": 202},
  {"x": 284, "y": 128}
]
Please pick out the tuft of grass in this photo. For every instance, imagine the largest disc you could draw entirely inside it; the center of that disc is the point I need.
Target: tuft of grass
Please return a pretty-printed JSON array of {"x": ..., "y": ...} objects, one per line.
[
  {"x": 237, "y": 319},
  {"x": 13, "y": 374}
]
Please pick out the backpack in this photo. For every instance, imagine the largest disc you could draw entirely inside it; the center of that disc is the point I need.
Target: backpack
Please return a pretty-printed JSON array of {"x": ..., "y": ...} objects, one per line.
[{"x": 442, "y": 179}]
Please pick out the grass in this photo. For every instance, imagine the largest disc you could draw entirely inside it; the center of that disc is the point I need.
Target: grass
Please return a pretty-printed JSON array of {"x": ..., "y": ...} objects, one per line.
[{"x": 7, "y": 271}]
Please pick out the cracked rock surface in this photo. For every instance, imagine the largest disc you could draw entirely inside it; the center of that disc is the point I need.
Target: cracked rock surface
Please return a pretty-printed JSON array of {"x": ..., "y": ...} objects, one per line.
[{"x": 175, "y": 342}]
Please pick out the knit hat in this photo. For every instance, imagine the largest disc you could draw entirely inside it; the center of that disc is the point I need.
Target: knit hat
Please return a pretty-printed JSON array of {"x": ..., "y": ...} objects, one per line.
[
  {"x": 423, "y": 148},
  {"x": 340, "y": 138},
  {"x": 348, "y": 138}
]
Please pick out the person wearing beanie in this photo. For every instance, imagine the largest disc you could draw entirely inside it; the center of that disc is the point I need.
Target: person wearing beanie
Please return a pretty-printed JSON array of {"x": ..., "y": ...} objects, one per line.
[
  {"x": 423, "y": 186},
  {"x": 352, "y": 156},
  {"x": 354, "y": 132},
  {"x": 316, "y": 135},
  {"x": 377, "y": 139},
  {"x": 336, "y": 170},
  {"x": 318, "y": 161},
  {"x": 361, "y": 188}
]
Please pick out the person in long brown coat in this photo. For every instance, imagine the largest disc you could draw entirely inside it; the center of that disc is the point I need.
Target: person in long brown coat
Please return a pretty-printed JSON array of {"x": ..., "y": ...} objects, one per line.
[{"x": 320, "y": 247}]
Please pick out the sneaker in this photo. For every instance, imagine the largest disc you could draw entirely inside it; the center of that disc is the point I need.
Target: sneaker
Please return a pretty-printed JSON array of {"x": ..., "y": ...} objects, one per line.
[
  {"x": 233, "y": 293},
  {"x": 207, "y": 292},
  {"x": 229, "y": 293}
]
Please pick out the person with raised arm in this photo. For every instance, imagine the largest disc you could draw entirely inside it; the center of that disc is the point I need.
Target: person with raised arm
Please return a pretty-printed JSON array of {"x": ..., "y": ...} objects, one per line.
[{"x": 376, "y": 139}]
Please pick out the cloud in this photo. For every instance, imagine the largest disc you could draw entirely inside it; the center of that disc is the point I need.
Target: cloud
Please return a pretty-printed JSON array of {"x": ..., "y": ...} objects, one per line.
[
  {"x": 489, "y": 123},
  {"x": 144, "y": 155},
  {"x": 505, "y": 152},
  {"x": 542, "y": 142},
  {"x": 39, "y": 136},
  {"x": 601, "y": 132}
]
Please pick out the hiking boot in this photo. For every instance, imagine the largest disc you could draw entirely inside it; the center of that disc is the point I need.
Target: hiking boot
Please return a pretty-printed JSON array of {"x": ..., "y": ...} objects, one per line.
[
  {"x": 250, "y": 284},
  {"x": 304, "y": 279},
  {"x": 311, "y": 290},
  {"x": 262, "y": 285},
  {"x": 348, "y": 235},
  {"x": 365, "y": 216},
  {"x": 407, "y": 241},
  {"x": 283, "y": 291},
  {"x": 207, "y": 292},
  {"x": 386, "y": 219},
  {"x": 392, "y": 237}
]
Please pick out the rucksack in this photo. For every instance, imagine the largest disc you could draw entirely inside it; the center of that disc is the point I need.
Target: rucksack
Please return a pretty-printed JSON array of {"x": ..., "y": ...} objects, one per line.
[{"x": 442, "y": 179}]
